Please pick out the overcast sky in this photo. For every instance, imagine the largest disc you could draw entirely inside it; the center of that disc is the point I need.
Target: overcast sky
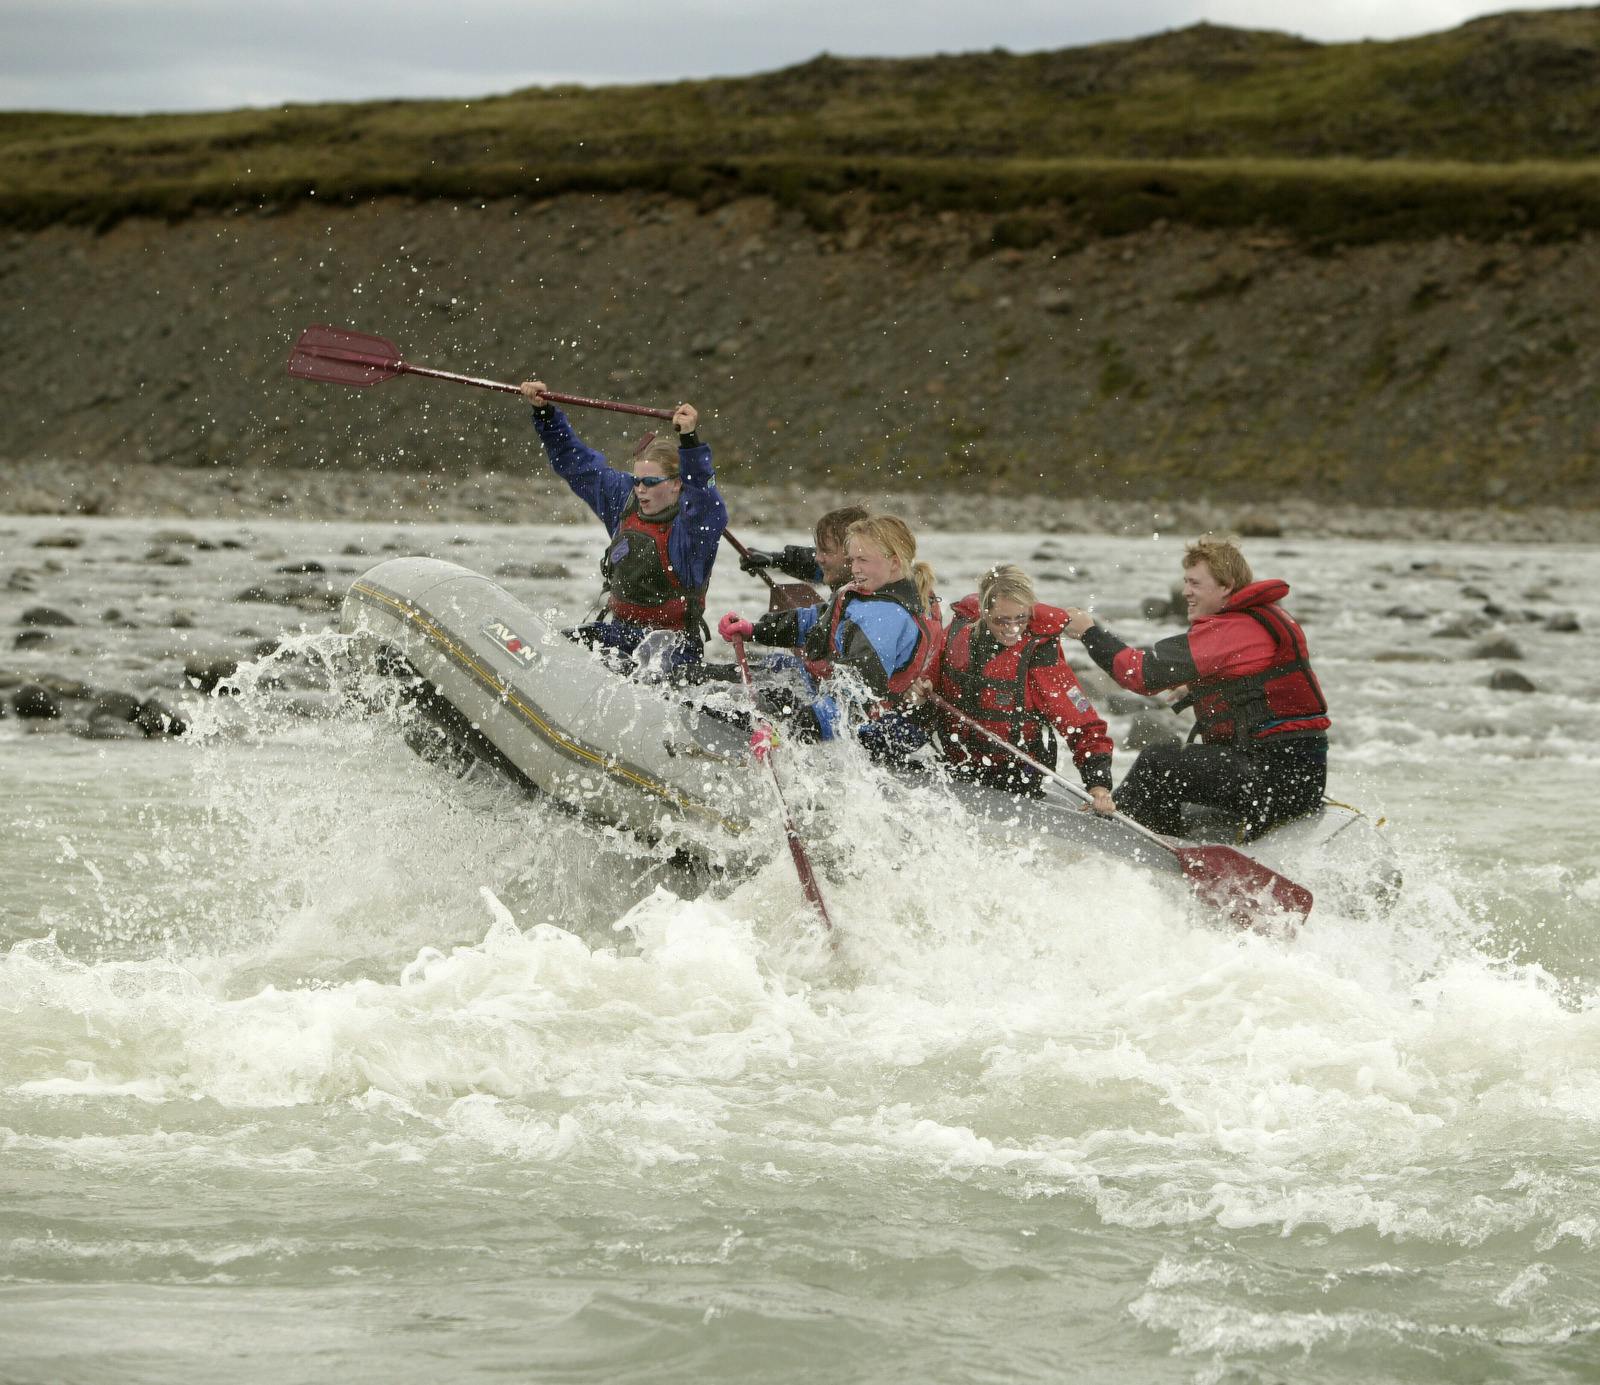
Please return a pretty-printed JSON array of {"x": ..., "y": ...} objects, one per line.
[{"x": 177, "y": 55}]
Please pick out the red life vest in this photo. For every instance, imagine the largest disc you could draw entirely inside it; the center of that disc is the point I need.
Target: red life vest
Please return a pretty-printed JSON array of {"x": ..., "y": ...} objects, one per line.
[
  {"x": 1281, "y": 701},
  {"x": 818, "y": 653},
  {"x": 996, "y": 695},
  {"x": 641, "y": 587}
]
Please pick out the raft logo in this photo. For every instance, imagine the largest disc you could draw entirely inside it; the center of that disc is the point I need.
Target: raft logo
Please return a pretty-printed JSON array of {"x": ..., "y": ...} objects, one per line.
[{"x": 513, "y": 643}]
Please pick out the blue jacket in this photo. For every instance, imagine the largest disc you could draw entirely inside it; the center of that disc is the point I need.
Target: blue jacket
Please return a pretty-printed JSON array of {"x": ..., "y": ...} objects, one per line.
[
  {"x": 702, "y": 515},
  {"x": 875, "y": 637}
]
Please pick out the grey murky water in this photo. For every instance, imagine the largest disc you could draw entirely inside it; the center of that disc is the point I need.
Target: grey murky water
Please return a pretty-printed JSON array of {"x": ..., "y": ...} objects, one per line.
[{"x": 283, "y": 1091}]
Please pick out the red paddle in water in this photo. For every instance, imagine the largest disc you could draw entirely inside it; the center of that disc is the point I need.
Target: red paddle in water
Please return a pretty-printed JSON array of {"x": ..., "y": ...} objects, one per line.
[
  {"x": 802, "y": 863},
  {"x": 357, "y": 358},
  {"x": 1220, "y": 875}
]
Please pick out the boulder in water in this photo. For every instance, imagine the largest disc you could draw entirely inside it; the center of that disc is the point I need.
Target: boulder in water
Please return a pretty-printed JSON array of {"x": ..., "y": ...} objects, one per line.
[
  {"x": 45, "y": 615},
  {"x": 155, "y": 718},
  {"x": 204, "y": 671},
  {"x": 36, "y": 702},
  {"x": 1497, "y": 647},
  {"x": 1509, "y": 680},
  {"x": 1152, "y": 728}
]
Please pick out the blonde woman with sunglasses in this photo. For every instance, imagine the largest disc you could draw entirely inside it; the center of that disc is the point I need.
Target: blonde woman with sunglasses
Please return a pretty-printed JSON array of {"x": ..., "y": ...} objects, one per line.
[{"x": 665, "y": 519}]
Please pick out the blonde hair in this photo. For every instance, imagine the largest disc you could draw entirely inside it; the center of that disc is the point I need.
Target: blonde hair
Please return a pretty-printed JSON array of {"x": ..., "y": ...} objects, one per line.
[
  {"x": 892, "y": 537},
  {"x": 652, "y": 447},
  {"x": 1222, "y": 558},
  {"x": 1005, "y": 582}
]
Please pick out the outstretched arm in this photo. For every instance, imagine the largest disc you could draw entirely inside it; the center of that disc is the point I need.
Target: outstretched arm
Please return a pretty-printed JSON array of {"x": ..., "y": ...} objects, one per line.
[
  {"x": 1165, "y": 664},
  {"x": 592, "y": 479}
]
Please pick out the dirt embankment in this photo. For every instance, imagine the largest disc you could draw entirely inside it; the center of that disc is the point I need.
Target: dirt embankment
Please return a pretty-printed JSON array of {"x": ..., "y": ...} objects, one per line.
[{"x": 896, "y": 354}]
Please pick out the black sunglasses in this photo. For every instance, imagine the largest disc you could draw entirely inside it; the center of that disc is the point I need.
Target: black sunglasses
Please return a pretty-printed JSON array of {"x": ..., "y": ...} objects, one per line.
[{"x": 648, "y": 481}]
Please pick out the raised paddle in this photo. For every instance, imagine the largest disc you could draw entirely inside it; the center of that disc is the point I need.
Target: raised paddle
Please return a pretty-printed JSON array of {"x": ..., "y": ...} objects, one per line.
[
  {"x": 802, "y": 863},
  {"x": 781, "y": 596},
  {"x": 1220, "y": 875},
  {"x": 341, "y": 357}
]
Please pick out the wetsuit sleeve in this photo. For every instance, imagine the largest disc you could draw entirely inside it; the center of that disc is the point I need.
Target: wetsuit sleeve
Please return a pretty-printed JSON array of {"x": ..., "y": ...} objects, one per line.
[
  {"x": 1055, "y": 691},
  {"x": 799, "y": 561},
  {"x": 599, "y": 485},
  {"x": 1165, "y": 664},
  {"x": 702, "y": 515},
  {"x": 786, "y": 629}
]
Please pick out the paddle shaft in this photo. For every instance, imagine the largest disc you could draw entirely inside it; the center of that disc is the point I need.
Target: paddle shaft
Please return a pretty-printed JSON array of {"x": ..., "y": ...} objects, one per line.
[
  {"x": 575, "y": 400},
  {"x": 377, "y": 358},
  {"x": 1016, "y": 752},
  {"x": 1218, "y": 871},
  {"x": 802, "y": 863},
  {"x": 744, "y": 552}
]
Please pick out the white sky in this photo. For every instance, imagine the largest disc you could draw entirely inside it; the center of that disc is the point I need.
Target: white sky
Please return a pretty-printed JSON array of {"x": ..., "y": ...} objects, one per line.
[{"x": 173, "y": 55}]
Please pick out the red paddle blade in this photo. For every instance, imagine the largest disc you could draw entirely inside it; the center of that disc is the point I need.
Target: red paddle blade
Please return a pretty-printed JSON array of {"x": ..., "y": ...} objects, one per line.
[
  {"x": 343, "y": 358},
  {"x": 792, "y": 596},
  {"x": 1241, "y": 888}
]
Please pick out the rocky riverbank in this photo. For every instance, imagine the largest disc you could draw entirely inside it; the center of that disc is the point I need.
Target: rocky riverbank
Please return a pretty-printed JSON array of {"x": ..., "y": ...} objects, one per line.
[
  {"x": 891, "y": 352},
  {"x": 214, "y": 492}
]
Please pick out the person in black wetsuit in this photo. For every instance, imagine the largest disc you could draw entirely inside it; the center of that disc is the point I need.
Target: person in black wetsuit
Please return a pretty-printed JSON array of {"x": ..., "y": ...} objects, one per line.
[
  {"x": 1259, "y": 709},
  {"x": 824, "y": 562}
]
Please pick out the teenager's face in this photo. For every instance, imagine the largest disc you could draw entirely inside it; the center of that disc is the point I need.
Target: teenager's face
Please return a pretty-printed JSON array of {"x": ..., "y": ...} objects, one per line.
[
  {"x": 654, "y": 498},
  {"x": 1007, "y": 620},
  {"x": 870, "y": 566},
  {"x": 1202, "y": 593},
  {"x": 833, "y": 562}
]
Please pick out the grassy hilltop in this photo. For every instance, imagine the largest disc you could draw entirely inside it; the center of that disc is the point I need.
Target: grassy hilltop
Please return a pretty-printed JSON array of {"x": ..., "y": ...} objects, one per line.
[{"x": 1492, "y": 128}]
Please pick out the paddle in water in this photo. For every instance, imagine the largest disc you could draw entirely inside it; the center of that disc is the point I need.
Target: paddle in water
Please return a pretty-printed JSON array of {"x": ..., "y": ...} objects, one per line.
[
  {"x": 341, "y": 357},
  {"x": 763, "y": 748},
  {"x": 1224, "y": 877}
]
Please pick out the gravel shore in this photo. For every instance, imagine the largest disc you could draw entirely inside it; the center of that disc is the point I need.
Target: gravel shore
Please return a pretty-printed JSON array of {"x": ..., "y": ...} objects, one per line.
[{"x": 37, "y": 487}]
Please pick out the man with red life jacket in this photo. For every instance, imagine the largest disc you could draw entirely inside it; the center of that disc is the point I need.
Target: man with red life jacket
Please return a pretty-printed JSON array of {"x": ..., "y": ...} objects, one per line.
[
  {"x": 1259, "y": 710},
  {"x": 665, "y": 521},
  {"x": 882, "y": 627},
  {"x": 1003, "y": 667}
]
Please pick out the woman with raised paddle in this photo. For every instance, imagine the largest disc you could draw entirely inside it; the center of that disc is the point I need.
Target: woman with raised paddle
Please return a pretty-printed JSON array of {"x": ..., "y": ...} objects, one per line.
[
  {"x": 1259, "y": 710},
  {"x": 665, "y": 520},
  {"x": 1003, "y": 670},
  {"x": 882, "y": 626}
]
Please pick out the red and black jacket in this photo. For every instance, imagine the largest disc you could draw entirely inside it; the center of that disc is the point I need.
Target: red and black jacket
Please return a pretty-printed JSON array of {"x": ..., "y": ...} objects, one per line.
[
  {"x": 1025, "y": 693},
  {"x": 641, "y": 586},
  {"x": 1247, "y": 669}
]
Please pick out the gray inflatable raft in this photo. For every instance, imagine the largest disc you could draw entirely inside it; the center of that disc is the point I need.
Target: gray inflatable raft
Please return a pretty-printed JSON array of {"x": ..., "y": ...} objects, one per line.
[{"x": 507, "y": 687}]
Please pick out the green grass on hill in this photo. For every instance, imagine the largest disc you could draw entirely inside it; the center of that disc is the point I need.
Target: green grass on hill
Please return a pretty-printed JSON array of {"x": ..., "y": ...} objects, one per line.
[{"x": 1490, "y": 129}]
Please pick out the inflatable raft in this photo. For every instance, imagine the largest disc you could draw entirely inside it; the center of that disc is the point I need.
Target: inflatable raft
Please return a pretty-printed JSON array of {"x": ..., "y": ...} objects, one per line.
[{"x": 496, "y": 683}]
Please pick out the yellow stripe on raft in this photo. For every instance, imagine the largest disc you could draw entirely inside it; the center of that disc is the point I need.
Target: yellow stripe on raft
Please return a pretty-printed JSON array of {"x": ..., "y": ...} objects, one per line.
[{"x": 509, "y": 696}]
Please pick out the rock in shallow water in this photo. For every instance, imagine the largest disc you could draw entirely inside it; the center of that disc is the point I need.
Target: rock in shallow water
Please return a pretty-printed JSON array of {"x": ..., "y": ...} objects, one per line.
[
  {"x": 1509, "y": 680},
  {"x": 45, "y": 615},
  {"x": 36, "y": 703},
  {"x": 204, "y": 670},
  {"x": 155, "y": 718},
  {"x": 1497, "y": 647}
]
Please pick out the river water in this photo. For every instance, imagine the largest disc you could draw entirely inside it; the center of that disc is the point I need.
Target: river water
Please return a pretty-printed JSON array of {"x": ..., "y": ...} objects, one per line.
[{"x": 316, "y": 1063}]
